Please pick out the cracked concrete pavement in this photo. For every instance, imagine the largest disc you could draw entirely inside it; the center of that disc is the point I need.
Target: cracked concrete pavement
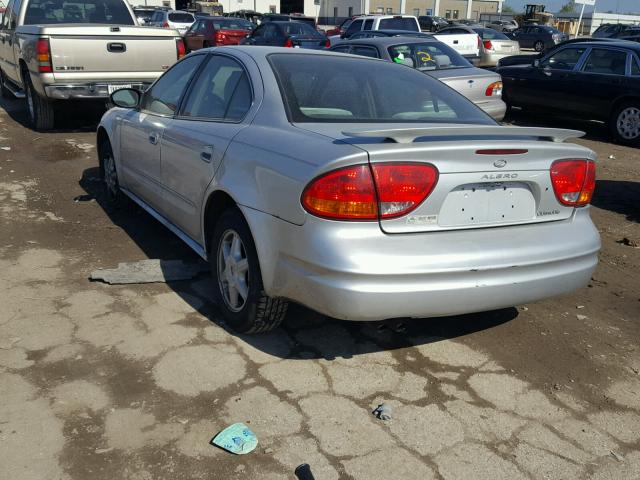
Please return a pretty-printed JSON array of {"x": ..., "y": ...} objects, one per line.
[{"x": 132, "y": 382}]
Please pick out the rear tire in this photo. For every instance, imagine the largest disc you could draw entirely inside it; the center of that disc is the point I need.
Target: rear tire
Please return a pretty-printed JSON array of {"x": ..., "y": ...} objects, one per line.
[
  {"x": 238, "y": 288},
  {"x": 40, "y": 110},
  {"x": 538, "y": 46},
  {"x": 624, "y": 124}
]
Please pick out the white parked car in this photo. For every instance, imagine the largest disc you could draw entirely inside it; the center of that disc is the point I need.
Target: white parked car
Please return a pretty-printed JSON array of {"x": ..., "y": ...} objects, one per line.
[{"x": 177, "y": 19}]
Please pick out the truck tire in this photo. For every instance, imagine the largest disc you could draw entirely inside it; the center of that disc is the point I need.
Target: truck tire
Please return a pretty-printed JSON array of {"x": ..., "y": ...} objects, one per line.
[
  {"x": 39, "y": 110},
  {"x": 237, "y": 279}
]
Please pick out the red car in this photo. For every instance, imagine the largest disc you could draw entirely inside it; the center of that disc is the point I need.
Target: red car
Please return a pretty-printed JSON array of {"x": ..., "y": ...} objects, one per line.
[
  {"x": 214, "y": 31},
  {"x": 340, "y": 29}
]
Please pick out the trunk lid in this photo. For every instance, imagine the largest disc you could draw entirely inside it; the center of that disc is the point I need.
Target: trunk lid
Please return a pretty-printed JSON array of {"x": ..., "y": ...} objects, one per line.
[
  {"x": 232, "y": 37},
  {"x": 470, "y": 82},
  {"x": 308, "y": 41},
  {"x": 474, "y": 190},
  {"x": 506, "y": 46},
  {"x": 90, "y": 49}
]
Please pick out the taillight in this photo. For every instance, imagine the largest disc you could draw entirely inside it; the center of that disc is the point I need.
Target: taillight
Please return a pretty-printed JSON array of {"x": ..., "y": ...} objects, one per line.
[
  {"x": 573, "y": 181},
  {"x": 180, "y": 48},
  {"x": 219, "y": 36},
  {"x": 402, "y": 187},
  {"x": 479, "y": 42},
  {"x": 327, "y": 44},
  {"x": 487, "y": 44},
  {"x": 43, "y": 53},
  {"x": 494, "y": 89},
  {"x": 384, "y": 190},
  {"x": 165, "y": 25},
  {"x": 288, "y": 43}
]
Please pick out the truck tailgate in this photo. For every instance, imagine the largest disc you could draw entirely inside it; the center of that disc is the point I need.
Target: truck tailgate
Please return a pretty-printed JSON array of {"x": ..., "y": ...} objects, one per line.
[
  {"x": 101, "y": 50},
  {"x": 466, "y": 44}
]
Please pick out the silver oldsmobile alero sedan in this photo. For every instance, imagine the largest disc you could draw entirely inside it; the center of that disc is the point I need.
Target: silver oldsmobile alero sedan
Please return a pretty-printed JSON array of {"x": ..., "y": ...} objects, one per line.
[{"x": 362, "y": 189}]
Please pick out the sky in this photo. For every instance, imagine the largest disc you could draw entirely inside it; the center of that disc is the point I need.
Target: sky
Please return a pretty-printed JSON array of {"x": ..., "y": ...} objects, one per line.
[{"x": 624, "y": 6}]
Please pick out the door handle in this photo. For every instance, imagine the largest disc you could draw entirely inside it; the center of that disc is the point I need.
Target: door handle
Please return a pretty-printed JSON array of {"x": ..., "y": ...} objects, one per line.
[
  {"x": 207, "y": 154},
  {"x": 153, "y": 138}
]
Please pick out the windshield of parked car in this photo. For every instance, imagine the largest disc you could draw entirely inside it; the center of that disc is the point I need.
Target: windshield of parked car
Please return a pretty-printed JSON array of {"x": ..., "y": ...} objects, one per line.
[
  {"x": 427, "y": 56},
  {"x": 181, "y": 17},
  {"x": 490, "y": 34},
  {"x": 232, "y": 24},
  {"x": 399, "y": 23},
  {"x": 48, "y": 12},
  {"x": 341, "y": 89},
  {"x": 299, "y": 28}
]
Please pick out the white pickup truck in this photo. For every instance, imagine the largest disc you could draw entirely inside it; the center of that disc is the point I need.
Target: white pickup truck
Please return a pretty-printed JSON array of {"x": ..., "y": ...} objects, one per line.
[
  {"x": 54, "y": 50},
  {"x": 465, "y": 43}
]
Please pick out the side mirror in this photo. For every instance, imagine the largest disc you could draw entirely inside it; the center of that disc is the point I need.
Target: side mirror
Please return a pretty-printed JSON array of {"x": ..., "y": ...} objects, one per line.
[{"x": 126, "y": 98}]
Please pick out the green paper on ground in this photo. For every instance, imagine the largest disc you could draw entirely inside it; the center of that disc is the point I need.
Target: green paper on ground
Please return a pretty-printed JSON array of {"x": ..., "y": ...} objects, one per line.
[{"x": 236, "y": 438}]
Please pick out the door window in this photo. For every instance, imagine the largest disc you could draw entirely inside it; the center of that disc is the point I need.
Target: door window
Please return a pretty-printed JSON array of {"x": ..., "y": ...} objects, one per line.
[
  {"x": 610, "y": 62},
  {"x": 341, "y": 49},
  {"x": 365, "y": 51},
  {"x": 164, "y": 96},
  {"x": 565, "y": 59},
  {"x": 222, "y": 92},
  {"x": 355, "y": 26},
  {"x": 635, "y": 67},
  {"x": 15, "y": 11}
]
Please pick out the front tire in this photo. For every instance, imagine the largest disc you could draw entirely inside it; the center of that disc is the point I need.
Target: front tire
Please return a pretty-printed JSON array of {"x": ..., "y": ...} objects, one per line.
[
  {"x": 625, "y": 124},
  {"x": 40, "y": 110},
  {"x": 538, "y": 46},
  {"x": 238, "y": 288},
  {"x": 109, "y": 176}
]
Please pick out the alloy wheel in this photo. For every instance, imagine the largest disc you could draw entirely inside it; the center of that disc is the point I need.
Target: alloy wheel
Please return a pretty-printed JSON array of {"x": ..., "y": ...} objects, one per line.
[
  {"x": 233, "y": 271},
  {"x": 628, "y": 123}
]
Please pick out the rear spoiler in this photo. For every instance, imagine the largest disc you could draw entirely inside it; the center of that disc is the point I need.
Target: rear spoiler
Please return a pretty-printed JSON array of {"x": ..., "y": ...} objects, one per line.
[{"x": 409, "y": 135}]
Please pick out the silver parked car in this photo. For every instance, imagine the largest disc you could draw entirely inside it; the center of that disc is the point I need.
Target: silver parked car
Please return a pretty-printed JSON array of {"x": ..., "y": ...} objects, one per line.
[
  {"x": 359, "y": 189},
  {"x": 503, "y": 25},
  {"x": 493, "y": 45},
  {"x": 434, "y": 58}
]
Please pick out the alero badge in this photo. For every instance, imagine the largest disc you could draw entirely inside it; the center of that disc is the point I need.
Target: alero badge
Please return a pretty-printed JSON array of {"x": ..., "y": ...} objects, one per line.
[{"x": 499, "y": 163}]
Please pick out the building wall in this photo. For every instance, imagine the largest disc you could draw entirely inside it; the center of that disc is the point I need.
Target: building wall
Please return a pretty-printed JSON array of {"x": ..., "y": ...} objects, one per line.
[
  {"x": 454, "y": 8},
  {"x": 257, "y": 5}
]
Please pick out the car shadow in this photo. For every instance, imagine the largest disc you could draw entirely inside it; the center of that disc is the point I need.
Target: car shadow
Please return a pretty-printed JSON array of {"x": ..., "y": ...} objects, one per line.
[
  {"x": 70, "y": 116},
  {"x": 596, "y": 131},
  {"x": 305, "y": 334},
  {"x": 619, "y": 197}
]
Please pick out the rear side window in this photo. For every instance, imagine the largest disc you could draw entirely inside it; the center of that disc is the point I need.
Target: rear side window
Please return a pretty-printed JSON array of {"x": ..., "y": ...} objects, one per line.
[
  {"x": 221, "y": 92},
  {"x": 610, "y": 62},
  {"x": 341, "y": 49},
  {"x": 181, "y": 17},
  {"x": 399, "y": 24},
  {"x": 368, "y": 24},
  {"x": 47, "y": 12},
  {"x": 565, "y": 59},
  {"x": 337, "y": 89},
  {"x": 635, "y": 68},
  {"x": 365, "y": 51}
]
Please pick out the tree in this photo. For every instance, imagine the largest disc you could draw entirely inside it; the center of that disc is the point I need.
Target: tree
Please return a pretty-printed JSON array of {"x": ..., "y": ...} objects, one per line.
[
  {"x": 507, "y": 9},
  {"x": 568, "y": 7}
]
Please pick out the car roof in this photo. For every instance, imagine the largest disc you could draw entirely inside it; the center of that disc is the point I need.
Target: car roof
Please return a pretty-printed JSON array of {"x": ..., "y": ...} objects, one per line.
[
  {"x": 388, "y": 41},
  {"x": 606, "y": 42}
]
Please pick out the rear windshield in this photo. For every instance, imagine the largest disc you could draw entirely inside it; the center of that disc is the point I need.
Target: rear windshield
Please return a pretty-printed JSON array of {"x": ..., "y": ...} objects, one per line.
[
  {"x": 48, "y": 12},
  {"x": 299, "y": 28},
  {"x": 340, "y": 89},
  {"x": 490, "y": 34},
  {"x": 181, "y": 18},
  {"x": 427, "y": 56},
  {"x": 307, "y": 20},
  {"x": 399, "y": 24},
  {"x": 232, "y": 24}
]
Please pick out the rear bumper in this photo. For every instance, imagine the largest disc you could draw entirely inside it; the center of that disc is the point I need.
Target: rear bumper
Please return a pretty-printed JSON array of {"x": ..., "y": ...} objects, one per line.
[
  {"x": 355, "y": 272},
  {"x": 91, "y": 91},
  {"x": 491, "y": 59}
]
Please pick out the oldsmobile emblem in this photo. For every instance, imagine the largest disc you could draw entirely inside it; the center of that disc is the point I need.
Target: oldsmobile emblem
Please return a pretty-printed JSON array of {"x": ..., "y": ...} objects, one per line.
[{"x": 499, "y": 163}]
